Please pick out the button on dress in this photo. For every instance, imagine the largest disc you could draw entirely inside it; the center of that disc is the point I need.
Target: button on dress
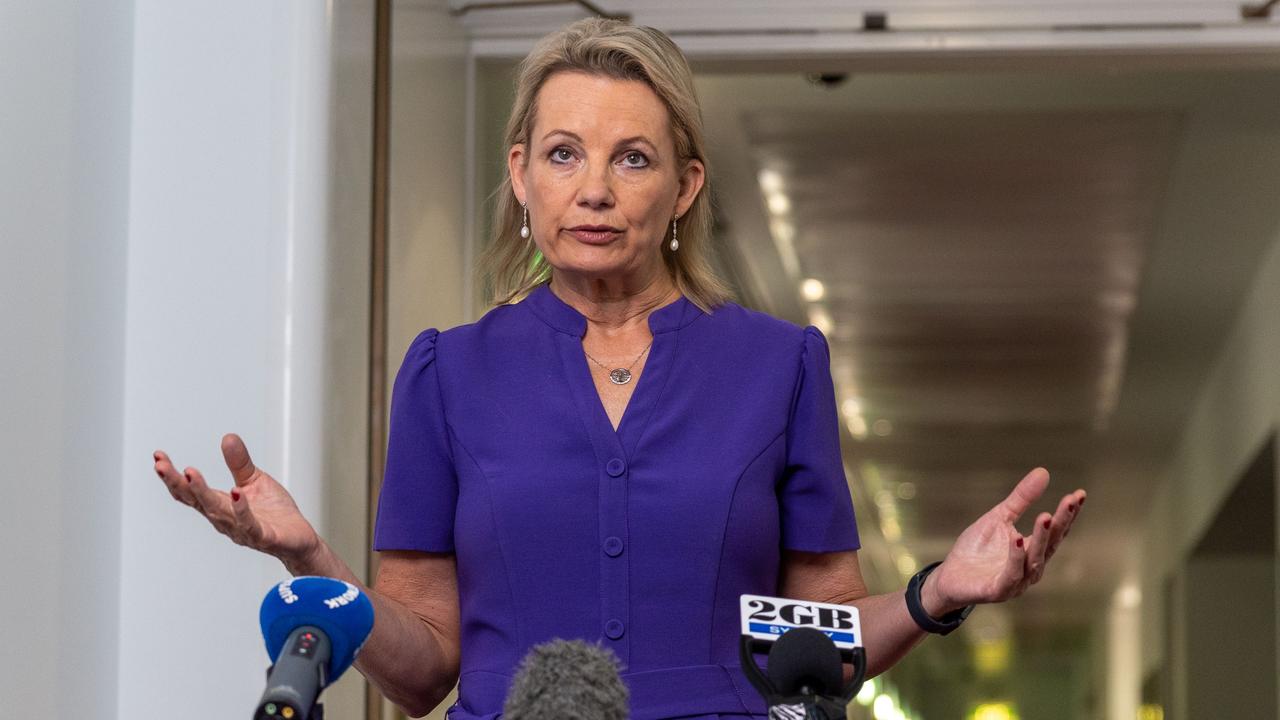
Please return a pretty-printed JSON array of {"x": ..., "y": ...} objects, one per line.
[{"x": 641, "y": 539}]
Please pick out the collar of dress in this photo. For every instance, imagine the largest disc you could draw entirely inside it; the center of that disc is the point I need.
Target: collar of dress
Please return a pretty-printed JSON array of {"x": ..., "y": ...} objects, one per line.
[{"x": 562, "y": 316}]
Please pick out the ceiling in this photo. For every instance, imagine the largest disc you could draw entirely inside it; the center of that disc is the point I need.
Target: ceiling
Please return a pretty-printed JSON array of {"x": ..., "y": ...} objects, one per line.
[{"x": 1018, "y": 268}]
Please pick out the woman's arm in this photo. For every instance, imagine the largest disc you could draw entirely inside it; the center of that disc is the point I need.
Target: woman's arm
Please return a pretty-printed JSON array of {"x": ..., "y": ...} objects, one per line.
[
  {"x": 990, "y": 562},
  {"x": 413, "y": 653},
  {"x": 888, "y": 631}
]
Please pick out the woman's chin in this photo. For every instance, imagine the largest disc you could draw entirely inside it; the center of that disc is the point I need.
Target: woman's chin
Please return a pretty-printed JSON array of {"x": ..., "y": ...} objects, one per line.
[{"x": 593, "y": 261}]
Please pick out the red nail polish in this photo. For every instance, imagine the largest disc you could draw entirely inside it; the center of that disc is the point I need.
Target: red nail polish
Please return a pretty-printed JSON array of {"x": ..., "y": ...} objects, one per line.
[
  {"x": 186, "y": 475},
  {"x": 1047, "y": 523},
  {"x": 1071, "y": 507},
  {"x": 1019, "y": 542},
  {"x": 159, "y": 474},
  {"x": 235, "y": 495},
  {"x": 1082, "y": 500}
]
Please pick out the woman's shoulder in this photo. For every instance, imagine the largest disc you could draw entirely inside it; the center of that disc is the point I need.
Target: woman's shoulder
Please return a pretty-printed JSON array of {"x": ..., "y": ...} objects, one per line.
[
  {"x": 502, "y": 323},
  {"x": 762, "y": 327}
]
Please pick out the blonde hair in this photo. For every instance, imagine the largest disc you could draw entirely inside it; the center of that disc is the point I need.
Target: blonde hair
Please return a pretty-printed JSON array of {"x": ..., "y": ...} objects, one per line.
[{"x": 619, "y": 50}]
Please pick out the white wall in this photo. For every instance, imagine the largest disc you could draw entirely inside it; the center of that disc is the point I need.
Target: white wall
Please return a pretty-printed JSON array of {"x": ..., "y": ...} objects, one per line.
[
  {"x": 64, "y": 157},
  {"x": 1236, "y": 409}
]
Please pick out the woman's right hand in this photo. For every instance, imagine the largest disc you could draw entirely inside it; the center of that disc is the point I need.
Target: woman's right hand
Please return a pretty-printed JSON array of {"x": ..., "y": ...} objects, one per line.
[{"x": 258, "y": 512}]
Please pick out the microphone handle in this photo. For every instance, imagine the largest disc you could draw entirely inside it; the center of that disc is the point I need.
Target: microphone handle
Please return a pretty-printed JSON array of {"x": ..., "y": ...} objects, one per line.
[{"x": 295, "y": 681}]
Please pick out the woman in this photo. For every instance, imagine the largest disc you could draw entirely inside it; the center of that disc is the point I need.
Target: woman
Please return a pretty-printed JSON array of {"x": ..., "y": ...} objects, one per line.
[{"x": 623, "y": 452}]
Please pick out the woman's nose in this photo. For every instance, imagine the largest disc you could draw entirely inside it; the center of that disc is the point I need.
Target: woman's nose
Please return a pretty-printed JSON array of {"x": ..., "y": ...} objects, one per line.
[{"x": 596, "y": 189}]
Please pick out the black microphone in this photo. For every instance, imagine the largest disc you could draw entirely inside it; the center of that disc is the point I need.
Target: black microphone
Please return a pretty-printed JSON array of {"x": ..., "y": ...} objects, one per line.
[
  {"x": 295, "y": 680},
  {"x": 567, "y": 680},
  {"x": 313, "y": 627},
  {"x": 808, "y": 643}
]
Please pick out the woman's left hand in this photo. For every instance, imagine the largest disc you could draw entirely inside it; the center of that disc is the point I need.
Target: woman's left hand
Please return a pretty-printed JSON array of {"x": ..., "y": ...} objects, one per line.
[{"x": 991, "y": 561}]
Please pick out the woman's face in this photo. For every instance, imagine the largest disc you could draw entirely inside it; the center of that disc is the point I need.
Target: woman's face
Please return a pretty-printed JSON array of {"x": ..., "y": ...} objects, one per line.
[{"x": 601, "y": 177}]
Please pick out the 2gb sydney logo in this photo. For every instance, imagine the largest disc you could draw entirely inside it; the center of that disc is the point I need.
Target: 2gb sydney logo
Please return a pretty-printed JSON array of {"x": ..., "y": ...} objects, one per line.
[{"x": 767, "y": 618}]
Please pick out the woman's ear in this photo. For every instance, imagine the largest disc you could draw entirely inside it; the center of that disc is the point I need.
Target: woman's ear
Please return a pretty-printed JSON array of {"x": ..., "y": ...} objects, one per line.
[
  {"x": 516, "y": 162},
  {"x": 691, "y": 180}
]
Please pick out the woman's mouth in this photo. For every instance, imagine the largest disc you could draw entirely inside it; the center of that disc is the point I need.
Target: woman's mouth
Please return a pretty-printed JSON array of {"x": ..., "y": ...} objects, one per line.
[{"x": 594, "y": 234}]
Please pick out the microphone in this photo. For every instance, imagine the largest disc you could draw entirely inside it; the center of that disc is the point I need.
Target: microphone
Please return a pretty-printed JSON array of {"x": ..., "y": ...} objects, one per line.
[
  {"x": 313, "y": 627},
  {"x": 807, "y": 642},
  {"x": 567, "y": 680}
]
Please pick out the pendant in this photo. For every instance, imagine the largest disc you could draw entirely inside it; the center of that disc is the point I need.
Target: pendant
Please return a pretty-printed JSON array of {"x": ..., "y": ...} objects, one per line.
[{"x": 620, "y": 376}]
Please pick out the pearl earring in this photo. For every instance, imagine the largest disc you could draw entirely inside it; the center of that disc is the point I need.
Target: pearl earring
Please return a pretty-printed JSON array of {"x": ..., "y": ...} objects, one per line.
[
  {"x": 524, "y": 224},
  {"x": 675, "y": 244}
]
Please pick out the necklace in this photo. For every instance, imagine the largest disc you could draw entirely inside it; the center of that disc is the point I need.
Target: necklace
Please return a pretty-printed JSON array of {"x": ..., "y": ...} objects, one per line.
[{"x": 622, "y": 375}]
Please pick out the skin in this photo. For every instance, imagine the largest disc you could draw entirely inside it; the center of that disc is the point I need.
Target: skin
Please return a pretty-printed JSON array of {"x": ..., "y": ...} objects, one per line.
[
  {"x": 602, "y": 181},
  {"x": 601, "y": 154}
]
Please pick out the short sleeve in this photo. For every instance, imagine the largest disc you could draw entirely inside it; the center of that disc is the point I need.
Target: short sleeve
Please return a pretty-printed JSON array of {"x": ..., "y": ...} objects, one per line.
[
  {"x": 816, "y": 506},
  {"x": 419, "y": 486}
]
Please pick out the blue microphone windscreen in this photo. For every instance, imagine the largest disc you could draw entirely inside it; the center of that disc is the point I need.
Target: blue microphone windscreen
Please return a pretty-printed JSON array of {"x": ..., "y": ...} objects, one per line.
[{"x": 336, "y": 607}]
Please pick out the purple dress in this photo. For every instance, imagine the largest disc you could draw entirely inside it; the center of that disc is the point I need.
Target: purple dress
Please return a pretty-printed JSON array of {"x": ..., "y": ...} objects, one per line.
[{"x": 641, "y": 539}]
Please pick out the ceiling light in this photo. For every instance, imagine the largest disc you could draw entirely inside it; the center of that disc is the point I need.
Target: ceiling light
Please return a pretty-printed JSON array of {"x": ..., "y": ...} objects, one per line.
[
  {"x": 882, "y": 708},
  {"x": 994, "y": 711},
  {"x": 857, "y": 427},
  {"x": 779, "y": 204},
  {"x": 891, "y": 529},
  {"x": 770, "y": 182},
  {"x": 812, "y": 289},
  {"x": 907, "y": 564}
]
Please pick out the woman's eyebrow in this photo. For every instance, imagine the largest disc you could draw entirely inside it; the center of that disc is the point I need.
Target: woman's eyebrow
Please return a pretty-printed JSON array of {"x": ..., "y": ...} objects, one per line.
[
  {"x": 636, "y": 139},
  {"x": 619, "y": 144},
  {"x": 572, "y": 136}
]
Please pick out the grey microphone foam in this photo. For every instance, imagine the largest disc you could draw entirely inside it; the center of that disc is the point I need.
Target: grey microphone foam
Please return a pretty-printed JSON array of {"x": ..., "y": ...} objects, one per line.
[{"x": 567, "y": 680}]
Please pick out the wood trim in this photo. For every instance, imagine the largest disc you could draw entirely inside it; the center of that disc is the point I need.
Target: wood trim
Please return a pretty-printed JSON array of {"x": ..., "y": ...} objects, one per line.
[{"x": 375, "y": 703}]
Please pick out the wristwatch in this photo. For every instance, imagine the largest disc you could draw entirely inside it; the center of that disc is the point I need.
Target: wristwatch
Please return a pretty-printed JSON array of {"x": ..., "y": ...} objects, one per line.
[{"x": 928, "y": 623}]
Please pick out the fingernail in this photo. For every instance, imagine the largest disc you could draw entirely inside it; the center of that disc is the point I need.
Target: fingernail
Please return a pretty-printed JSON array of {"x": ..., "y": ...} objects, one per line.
[
  {"x": 186, "y": 474},
  {"x": 1082, "y": 500},
  {"x": 1019, "y": 542},
  {"x": 1047, "y": 523},
  {"x": 235, "y": 495},
  {"x": 1071, "y": 507},
  {"x": 159, "y": 474},
  {"x": 156, "y": 455}
]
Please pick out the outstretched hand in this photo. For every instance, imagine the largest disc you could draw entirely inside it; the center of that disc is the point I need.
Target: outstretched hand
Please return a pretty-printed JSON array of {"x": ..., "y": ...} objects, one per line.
[
  {"x": 991, "y": 561},
  {"x": 258, "y": 512}
]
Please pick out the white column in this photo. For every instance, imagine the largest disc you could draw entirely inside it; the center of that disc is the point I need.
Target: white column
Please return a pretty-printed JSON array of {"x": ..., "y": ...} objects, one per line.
[
  {"x": 225, "y": 320},
  {"x": 1124, "y": 653}
]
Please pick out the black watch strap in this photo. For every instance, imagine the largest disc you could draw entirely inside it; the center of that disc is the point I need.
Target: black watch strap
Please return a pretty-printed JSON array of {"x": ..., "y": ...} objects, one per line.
[{"x": 928, "y": 623}]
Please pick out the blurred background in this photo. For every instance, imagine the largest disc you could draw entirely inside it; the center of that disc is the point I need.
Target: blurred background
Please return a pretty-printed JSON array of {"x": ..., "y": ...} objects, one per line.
[{"x": 1036, "y": 234}]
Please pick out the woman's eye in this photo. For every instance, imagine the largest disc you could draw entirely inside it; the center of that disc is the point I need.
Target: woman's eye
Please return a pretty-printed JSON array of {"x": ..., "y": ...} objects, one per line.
[
  {"x": 635, "y": 159},
  {"x": 561, "y": 155}
]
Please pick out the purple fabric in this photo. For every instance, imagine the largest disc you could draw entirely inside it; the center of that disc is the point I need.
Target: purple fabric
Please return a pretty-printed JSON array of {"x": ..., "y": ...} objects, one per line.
[{"x": 642, "y": 539}]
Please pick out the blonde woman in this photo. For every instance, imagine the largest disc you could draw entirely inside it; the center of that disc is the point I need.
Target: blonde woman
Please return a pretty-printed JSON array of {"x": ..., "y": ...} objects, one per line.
[{"x": 615, "y": 451}]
